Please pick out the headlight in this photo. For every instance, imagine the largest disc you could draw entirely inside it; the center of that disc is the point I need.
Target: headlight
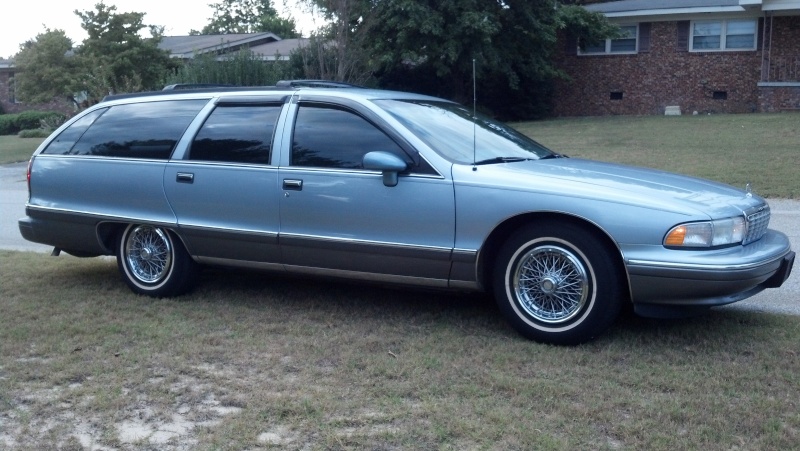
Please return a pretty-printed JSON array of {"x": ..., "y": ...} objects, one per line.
[{"x": 707, "y": 234}]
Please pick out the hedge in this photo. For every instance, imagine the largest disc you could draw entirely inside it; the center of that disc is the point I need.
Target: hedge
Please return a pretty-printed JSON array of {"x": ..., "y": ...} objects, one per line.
[{"x": 11, "y": 124}]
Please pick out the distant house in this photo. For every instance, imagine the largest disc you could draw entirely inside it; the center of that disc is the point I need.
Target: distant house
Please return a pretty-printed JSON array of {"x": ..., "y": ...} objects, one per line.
[
  {"x": 7, "y": 97},
  {"x": 268, "y": 45},
  {"x": 720, "y": 56},
  {"x": 9, "y": 103}
]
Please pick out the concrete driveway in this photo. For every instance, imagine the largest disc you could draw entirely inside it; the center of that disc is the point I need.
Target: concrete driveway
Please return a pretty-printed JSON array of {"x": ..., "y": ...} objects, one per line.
[{"x": 785, "y": 217}]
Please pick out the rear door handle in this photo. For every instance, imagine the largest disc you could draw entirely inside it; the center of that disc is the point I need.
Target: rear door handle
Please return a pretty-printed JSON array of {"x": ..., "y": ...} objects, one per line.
[
  {"x": 292, "y": 184},
  {"x": 185, "y": 177}
]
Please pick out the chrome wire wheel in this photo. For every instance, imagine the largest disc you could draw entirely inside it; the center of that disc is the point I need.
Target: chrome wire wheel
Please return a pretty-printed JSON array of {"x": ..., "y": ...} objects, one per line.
[
  {"x": 148, "y": 253},
  {"x": 551, "y": 284}
]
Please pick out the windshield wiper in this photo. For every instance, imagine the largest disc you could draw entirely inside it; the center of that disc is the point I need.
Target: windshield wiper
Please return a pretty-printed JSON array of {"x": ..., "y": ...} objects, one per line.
[
  {"x": 553, "y": 155},
  {"x": 501, "y": 160}
]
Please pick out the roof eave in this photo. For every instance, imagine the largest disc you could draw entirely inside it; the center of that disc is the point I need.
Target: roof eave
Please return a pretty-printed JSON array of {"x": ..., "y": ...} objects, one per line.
[{"x": 677, "y": 11}]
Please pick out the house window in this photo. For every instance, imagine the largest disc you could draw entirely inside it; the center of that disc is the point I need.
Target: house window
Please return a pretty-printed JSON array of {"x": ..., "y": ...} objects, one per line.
[
  {"x": 626, "y": 43},
  {"x": 711, "y": 35}
]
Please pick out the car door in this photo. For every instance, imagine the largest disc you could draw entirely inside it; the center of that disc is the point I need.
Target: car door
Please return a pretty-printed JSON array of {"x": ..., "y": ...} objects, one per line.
[
  {"x": 224, "y": 188},
  {"x": 339, "y": 218}
]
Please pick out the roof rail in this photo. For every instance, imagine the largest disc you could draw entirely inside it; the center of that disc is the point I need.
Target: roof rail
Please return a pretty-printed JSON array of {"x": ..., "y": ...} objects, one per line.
[
  {"x": 179, "y": 86},
  {"x": 314, "y": 84}
]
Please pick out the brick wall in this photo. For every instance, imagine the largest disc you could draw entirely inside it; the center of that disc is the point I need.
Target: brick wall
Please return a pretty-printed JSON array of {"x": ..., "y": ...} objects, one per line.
[{"x": 663, "y": 76}]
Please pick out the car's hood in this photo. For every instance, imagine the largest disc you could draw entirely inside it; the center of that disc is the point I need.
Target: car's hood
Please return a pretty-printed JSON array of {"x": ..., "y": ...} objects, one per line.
[{"x": 620, "y": 183}]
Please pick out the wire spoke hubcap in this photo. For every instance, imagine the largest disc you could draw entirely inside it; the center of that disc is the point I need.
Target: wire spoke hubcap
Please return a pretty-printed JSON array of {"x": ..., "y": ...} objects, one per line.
[
  {"x": 148, "y": 253},
  {"x": 551, "y": 284}
]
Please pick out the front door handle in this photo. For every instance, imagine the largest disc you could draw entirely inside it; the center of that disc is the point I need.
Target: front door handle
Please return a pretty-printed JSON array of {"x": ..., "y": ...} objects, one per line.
[
  {"x": 292, "y": 184},
  {"x": 185, "y": 177}
]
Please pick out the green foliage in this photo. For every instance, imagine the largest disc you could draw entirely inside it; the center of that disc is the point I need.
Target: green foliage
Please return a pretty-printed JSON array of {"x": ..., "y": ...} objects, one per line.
[
  {"x": 46, "y": 69},
  {"x": 35, "y": 133},
  {"x": 249, "y": 16},
  {"x": 588, "y": 27},
  {"x": 7, "y": 124},
  {"x": 430, "y": 45},
  {"x": 115, "y": 58},
  {"x": 339, "y": 50},
  {"x": 243, "y": 68},
  {"x": 13, "y": 123}
]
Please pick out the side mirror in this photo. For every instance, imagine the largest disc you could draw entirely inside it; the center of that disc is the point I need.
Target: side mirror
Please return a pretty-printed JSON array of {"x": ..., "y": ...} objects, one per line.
[{"x": 391, "y": 165}]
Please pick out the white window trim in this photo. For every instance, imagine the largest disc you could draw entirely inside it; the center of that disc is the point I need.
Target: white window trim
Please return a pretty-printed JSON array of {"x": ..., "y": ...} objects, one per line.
[
  {"x": 723, "y": 36},
  {"x": 608, "y": 44}
]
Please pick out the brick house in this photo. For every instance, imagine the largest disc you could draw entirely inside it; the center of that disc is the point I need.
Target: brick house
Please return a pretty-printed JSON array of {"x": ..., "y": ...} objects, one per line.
[{"x": 709, "y": 56}]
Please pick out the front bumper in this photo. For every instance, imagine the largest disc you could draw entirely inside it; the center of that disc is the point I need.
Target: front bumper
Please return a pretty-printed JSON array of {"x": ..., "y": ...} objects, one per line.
[{"x": 706, "y": 278}]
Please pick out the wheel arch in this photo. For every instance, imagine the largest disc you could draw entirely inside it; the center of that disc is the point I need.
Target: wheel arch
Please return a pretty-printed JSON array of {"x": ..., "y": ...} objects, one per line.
[
  {"x": 108, "y": 233},
  {"x": 491, "y": 246}
]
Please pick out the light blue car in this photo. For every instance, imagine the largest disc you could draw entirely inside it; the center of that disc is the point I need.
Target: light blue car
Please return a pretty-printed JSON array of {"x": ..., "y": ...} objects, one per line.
[{"x": 391, "y": 187}]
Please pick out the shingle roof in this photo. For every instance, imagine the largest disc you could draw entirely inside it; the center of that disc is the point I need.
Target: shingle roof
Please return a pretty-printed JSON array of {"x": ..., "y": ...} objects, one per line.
[{"x": 188, "y": 46}]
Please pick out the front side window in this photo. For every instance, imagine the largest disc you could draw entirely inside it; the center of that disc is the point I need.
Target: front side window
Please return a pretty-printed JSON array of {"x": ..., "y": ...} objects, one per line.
[
  {"x": 626, "y": 43},
  {"x": 147, "y": 130},
  {"x": 451, "y": 130},
  {"x": 330, "y": 137},
  {"x": 716, "y": 35},
  {"x": 237, "y": 134}
]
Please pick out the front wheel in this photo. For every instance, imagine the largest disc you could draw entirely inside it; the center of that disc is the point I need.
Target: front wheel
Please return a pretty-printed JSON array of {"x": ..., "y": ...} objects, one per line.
[
  {"x": 153, "y": 263},
  {"x": 557, "y": 283}
]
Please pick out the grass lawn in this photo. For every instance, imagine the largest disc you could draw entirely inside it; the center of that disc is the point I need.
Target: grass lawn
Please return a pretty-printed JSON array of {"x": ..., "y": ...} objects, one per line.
[
  {"x": 255, "y": 361},
  {"x": 14, "y": 149},
  {"x": 761, "y": 149}
]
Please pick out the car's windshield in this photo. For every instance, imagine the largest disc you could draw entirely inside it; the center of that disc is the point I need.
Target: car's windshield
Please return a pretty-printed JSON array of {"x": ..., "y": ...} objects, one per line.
[{"x": 449, "y": 129}]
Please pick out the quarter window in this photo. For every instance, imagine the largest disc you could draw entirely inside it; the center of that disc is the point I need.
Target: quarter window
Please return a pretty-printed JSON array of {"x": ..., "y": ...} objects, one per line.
[
  {"x": 330, "y": 137},
  {"x": 140, "y": 130},
  {"x": 711, "y": 35},
  {"x": 237, "y": 134},
  {"x": 626, "y": 43}
]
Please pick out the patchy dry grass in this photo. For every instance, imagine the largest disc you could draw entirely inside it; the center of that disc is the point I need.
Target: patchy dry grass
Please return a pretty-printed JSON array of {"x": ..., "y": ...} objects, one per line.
[
  {"x": 258, "y": 361},
  {"x": 761, "y": 149}
]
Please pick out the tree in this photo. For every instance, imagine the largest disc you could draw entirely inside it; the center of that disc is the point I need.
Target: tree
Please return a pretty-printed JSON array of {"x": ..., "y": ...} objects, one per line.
[
  {"x": 511, "y": 41},
  {"x": 115, "y": 58},
  {"x": 46, "y": 70},
  {"x": 248, "y": 16},
  {"x": 242, "y": 68},
  {"x": 430, "y": 45},
  {"x": 339, "y": 50}
]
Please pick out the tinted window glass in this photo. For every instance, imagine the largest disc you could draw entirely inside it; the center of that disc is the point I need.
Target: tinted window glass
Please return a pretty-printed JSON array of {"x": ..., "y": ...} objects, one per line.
[
  {"x": 139, "y": 130},
  {"x": 335, "y": 138},
  {"x": 451, "y": 130},
  {"x": 66, "y": 139},
  {"x": 237, "y": 134}
]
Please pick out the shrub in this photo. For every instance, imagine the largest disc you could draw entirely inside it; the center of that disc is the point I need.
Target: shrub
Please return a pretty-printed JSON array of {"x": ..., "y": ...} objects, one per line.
[
  {"x": 35, "y": 133},
  {"x": 13, "y": 123},
  {"x": 33, "y": 119},
  {"x": 7, "y": 124}
]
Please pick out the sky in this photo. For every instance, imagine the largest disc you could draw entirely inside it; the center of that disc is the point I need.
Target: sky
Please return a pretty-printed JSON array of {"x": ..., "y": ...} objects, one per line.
[{"x": 29, "y": 18}]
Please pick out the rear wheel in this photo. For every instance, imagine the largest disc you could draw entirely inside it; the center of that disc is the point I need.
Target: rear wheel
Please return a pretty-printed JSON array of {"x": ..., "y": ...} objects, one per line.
[
  {"x": 557, "y": 283},
  {"x": 153, "y": 263}
]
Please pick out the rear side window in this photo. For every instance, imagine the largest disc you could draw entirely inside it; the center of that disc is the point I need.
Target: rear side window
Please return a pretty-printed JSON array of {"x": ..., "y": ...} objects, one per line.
[
  {"x": 237, "y": 134},
  {"x": 141, "y": 130}
]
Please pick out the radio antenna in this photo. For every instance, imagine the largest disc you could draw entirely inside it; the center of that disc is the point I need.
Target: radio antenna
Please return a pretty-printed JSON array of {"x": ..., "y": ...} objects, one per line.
[{"x": 474, "y": 116}]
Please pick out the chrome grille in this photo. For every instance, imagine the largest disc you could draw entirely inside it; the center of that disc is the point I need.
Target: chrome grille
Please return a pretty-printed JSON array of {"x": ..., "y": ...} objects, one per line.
[{"x": 757, "y": 223}]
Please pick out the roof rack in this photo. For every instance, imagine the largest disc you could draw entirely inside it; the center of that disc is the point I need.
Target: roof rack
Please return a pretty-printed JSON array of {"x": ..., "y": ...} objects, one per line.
[
  {"x": 314, "y": 84},
  {"x": 181, "y": 86},
  {"x": 212, "y": 87}
]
